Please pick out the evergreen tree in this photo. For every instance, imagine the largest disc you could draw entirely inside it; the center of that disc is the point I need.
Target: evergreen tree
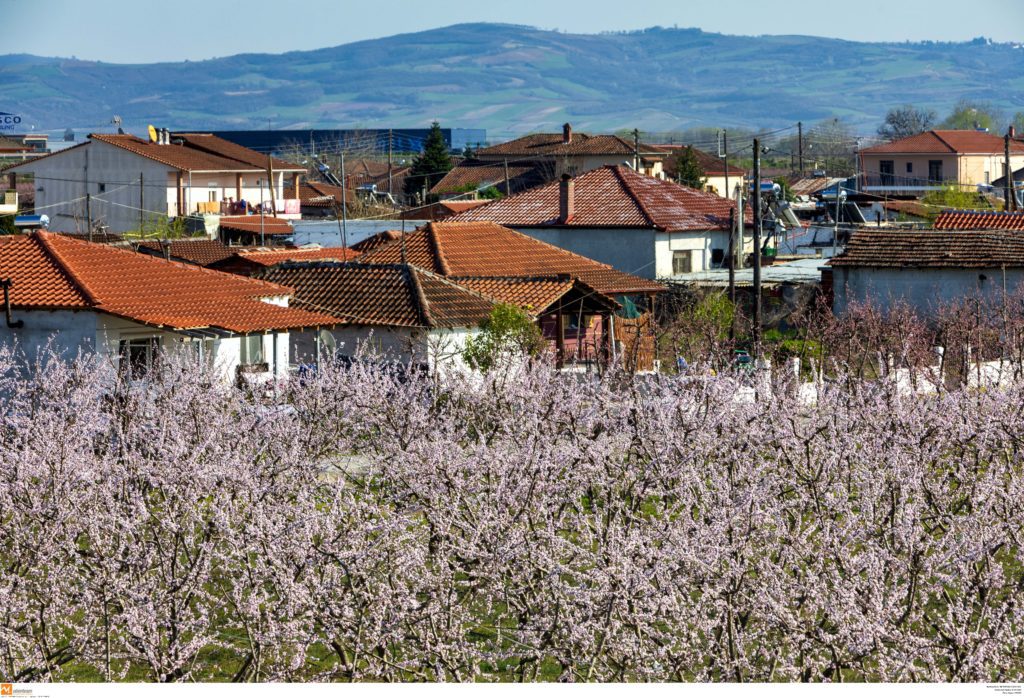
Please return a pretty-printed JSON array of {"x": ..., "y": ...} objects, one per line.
[
  {"x": 688, "y": 170},
  {"x": 430, "y": 166}
]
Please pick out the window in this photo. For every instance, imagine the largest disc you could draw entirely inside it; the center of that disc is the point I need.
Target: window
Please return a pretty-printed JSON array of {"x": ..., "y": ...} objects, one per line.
[
  {"x": 682, "y": 261},
  {"x": 987, "y": 178},
  {"x": 213, "y": 195},
  {"x": 910, "y": 168},
  {"x": 935, "y": 171},
  {"x": 252, "y": 349},
  {"x": 137, "y": 356},
  {"x": 102, "y": 187},
  {"x": 717, "y": 257}
]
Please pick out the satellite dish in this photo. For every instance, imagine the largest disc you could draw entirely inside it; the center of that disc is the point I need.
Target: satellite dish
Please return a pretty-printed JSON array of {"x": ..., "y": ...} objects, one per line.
[{"x": 152, "y": 133}]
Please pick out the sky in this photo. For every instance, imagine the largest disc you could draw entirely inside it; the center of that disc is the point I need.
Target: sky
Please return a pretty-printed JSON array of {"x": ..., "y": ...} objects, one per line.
[{"x": 120, "y": 31}]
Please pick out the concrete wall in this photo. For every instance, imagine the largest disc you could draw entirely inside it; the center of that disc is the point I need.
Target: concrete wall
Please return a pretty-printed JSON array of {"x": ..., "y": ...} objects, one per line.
[
  {"x": 437, "y": 348},
  {"x": 631, "y": 250},
  {"x": 64, "y": 331},
  {"x": 700, "y": 244},
  {"x": 108, "y": 174},
  {"x": 925, "y": 290}
]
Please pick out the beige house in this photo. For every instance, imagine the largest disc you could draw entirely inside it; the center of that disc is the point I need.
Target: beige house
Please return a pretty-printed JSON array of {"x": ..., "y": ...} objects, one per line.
[{"x": 924, "y": 162}]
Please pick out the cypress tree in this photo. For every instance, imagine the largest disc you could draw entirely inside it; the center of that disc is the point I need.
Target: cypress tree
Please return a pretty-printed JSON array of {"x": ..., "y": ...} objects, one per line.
[
  {"x": 429, "y": 166},
  {"x": 688, "y": 170}
]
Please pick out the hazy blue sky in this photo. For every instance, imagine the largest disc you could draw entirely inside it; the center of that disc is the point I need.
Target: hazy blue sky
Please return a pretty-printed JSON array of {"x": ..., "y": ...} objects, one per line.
[{"x": 129, "y": 32}]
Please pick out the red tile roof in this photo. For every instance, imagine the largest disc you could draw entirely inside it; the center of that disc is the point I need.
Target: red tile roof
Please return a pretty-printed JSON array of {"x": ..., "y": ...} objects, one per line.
[
  {"x": 216, "y": 145},
  {"x": 536, "y": 294},
  {"x": 932, "y": 249},
  {"x": 553, "y": 144},
  {"x": 180, "y": 157},
  {"x": 253, "y": 224},
  {"x": 474, "y": 174},
  {"x": 270, "y": 257},
  {"x": 948, "y": 142},
  {"x": 612, "y": 197},
  {"x": 51, "y": 271},
  {"x": 980, "y": 220},
  {"x": 394, "y": 295},
  {"x": 201, "y": 251},
  {"x": 376, "y": 240},
  {"x": 320, "y": 195},
  {"x": 485, "y": 249}
]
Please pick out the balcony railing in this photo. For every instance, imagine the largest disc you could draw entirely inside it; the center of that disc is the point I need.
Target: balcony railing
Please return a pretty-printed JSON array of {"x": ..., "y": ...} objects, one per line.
[{"x": 893, "y": 182}]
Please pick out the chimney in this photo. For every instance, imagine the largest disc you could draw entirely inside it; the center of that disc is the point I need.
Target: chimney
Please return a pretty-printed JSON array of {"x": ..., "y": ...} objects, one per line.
[
  {"x": 1013, "y": 131},
  {"x": 566, "y": 199},
  {"x": 566, "y": 133}
]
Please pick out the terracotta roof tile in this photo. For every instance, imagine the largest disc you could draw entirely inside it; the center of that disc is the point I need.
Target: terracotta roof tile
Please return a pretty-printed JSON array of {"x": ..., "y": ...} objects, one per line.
[
  {"x": 936, "y": 141},
  {"x": 200, "y": 251},
  {"x": 980, "y": 220},
  {"x": 612, "y": 197},
  {"x": 924, "y": 249},
  {"x": 486, "y": 249},
  {"x": 179, "y": 157},
  {"x": 270, "y": 257},
  {"x": 476, "y": 174},
  {"x": 216, "y": 145},
  {"x": 376, "y": 240},
  {"x": 394, "y": 295},
  {"x": 536, "y": 294},
  {"x": 55, "y": 271}
]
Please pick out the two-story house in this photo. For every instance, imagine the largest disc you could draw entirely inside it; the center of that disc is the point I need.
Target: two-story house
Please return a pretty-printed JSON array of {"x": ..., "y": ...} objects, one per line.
[
  {"x": 924, "y": 162},
  {"x": 123, "y": 183}
]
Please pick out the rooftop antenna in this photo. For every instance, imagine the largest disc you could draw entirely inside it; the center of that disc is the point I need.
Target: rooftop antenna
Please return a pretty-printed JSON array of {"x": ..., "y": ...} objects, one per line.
[{"x": 117, "y": 122}]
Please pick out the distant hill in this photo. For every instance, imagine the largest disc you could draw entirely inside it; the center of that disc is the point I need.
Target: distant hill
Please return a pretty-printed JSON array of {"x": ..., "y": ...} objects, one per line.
[{"x": 513, "y": 79}]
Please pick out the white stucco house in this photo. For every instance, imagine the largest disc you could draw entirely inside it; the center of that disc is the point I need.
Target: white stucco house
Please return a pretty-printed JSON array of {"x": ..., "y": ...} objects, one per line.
[
  {"x": 926, "y": 269},
  {"x": 638, "y": 224},
  {"x": 120, "y": 182},
  {"x": 72, "y": 296}
]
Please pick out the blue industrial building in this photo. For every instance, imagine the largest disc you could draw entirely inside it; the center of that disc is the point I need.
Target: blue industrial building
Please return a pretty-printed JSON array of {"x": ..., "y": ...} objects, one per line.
[{"x": 403, "y": 140}]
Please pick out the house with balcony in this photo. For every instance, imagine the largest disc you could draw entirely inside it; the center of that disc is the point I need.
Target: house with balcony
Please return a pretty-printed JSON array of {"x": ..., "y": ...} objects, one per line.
[
  {"x": 913, "y": 166},
  {"x": 121, "y": 183},
  {"x": 69, "y": 295}
]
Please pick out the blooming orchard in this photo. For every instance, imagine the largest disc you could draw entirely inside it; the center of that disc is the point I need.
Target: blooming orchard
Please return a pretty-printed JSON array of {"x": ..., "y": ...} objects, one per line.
[{"x": 370, "y": 524}]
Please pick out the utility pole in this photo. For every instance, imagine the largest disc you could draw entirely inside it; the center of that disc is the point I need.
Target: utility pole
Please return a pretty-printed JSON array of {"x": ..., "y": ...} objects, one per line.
[
  {"x": 1007, "y": 176},
  {"x": 757, "y": 248},
  {"x": 508, "y": 182},
  {"x": 636, "y": 149},
  {"x": 142, "y": 204},
  {"x": 800, "y": 142},
  {"x": 732, "y": 270},
  {"x": 88, "y": 213},
  {"x": 270, "y": 185},
  {"x": 263, "y": 234},
  {"x": 725, "y": 157},
  {"x": 344, "y": 204},
  {"x": 390, "y": 162}
]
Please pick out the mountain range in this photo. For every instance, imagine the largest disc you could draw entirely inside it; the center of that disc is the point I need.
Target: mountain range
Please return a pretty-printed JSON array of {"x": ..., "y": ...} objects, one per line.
[{"x": 515, "y": 79}]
